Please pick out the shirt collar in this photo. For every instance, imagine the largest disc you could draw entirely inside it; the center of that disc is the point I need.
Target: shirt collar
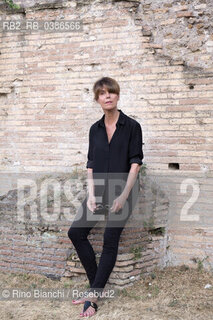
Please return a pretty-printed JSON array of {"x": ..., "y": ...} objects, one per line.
[{"x": 121, "y": 119}]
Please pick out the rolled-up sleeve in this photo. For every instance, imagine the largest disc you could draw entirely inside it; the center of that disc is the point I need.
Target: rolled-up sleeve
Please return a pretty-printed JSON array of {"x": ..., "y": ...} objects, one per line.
[
  {"x": 135, "y": 145},
  {"x": 90, "y": 151}
]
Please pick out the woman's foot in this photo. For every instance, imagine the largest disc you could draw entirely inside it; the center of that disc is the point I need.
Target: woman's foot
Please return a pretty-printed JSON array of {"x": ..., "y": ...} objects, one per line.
[
  {"x": 90, "y": 308},
  {"x": 78, "y": 301}
]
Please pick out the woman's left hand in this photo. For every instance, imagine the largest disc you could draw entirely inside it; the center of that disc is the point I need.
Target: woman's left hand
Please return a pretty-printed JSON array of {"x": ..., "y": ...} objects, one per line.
[{"x": 118, "y": 203}]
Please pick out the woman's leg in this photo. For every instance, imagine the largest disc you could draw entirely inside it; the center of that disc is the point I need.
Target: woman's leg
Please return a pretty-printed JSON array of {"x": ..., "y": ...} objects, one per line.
[
  {"x": 78, "y": 233},
  {"x": 108, "y": 257},
  {"x": 105, "y": 266},
  {"x": 115, "y": 224}
]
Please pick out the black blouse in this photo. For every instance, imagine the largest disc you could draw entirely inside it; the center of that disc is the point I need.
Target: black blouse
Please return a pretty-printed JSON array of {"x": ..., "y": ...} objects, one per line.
[
  {"x": 125, "y": 146},
  {"x": 112, "y": 161}
]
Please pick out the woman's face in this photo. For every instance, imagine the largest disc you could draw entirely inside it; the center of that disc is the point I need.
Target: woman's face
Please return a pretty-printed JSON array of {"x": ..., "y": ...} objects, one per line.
[{"x": 107, "y": 100}]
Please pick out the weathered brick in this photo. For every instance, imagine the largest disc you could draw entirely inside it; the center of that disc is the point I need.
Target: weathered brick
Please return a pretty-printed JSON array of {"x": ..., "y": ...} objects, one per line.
[
  {"x": 77, "y": 270},
  {"x": 180, "y": 8},
  {"x": 123, "y": 269},
  {"x": 185, "y": 14},
  {"x": 167, "y": 22}
]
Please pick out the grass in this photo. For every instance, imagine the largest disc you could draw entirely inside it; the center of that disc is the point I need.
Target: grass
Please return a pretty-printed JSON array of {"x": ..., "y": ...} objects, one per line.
[{"x": 172, "y": 293}]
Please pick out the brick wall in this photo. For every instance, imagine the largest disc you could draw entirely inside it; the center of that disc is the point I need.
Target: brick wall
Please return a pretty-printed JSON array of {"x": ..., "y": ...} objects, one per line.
[
  {"x": 31, "y": 243},
  {"x": 161, "y": 54}
]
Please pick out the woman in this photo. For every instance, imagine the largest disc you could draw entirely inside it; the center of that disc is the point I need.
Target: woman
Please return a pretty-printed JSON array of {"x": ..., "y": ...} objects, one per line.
[{"x": 114, "y": 155}]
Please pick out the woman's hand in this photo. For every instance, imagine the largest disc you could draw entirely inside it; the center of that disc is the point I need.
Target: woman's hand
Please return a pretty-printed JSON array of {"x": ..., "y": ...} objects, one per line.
[
  {"x": 118, "y": 203},
  {"x": 91, "y": 203}
]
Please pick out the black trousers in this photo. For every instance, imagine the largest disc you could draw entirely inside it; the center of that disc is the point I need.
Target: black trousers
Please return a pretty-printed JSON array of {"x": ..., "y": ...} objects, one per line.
[{"x": 84, "y": 221}]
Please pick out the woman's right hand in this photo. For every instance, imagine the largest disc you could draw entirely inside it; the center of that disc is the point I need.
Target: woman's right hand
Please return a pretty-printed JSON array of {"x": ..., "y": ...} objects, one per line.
[{"x": 91, "y": 203}]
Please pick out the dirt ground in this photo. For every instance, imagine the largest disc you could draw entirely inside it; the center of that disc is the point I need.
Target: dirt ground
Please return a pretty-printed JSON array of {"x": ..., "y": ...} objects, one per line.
[{"x": 171, "y": 294}]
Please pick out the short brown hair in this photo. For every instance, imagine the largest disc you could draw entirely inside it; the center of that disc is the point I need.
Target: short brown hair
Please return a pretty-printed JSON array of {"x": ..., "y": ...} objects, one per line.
[{"x": 111, "y": 85}]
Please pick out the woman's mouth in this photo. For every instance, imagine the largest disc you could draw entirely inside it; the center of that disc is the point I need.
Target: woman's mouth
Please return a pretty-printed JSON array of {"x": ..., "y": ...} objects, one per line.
[{"x": 108, "y": 102}]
